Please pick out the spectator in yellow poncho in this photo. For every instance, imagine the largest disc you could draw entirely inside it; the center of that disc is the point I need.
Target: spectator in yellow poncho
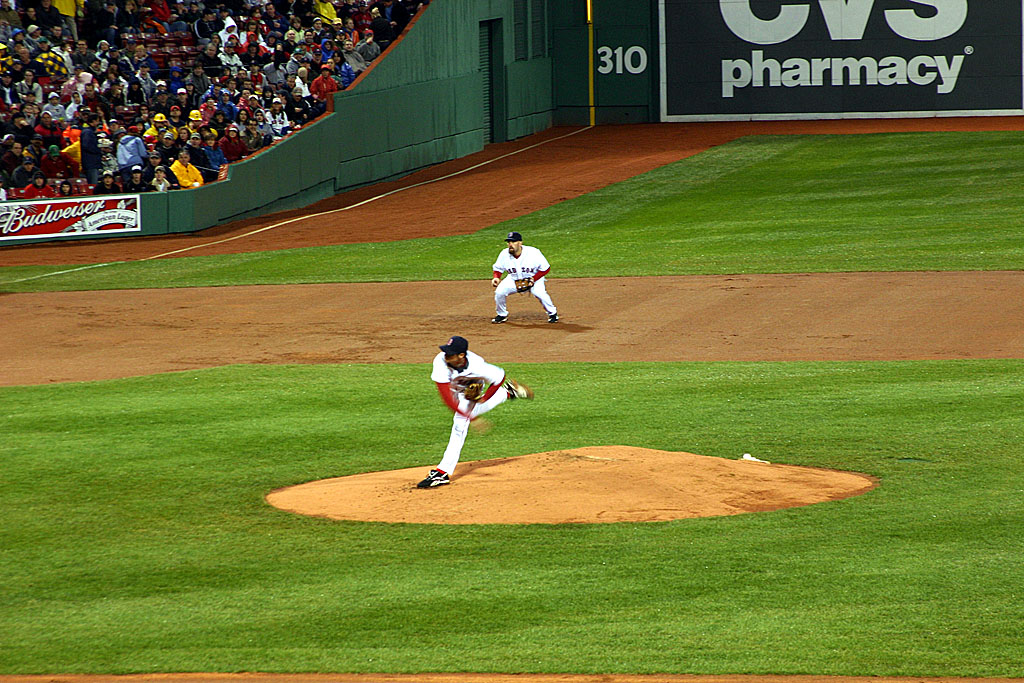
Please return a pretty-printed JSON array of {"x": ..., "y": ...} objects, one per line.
[
  {"x": 160, "y": 126},
  {"x": 325, "y": 10},
  {"x": 74, "y": 150},
  {"x": 187, "y": 174},
  {"x": 69, "y": 9}
]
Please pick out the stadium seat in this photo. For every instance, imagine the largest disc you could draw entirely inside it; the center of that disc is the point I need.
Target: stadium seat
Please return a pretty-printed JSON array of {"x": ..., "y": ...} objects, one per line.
[{"x": 126, "y": 111}]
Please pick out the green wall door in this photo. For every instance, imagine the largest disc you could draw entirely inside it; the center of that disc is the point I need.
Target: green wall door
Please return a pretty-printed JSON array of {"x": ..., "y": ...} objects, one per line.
[{"x": 492, "y": 73}]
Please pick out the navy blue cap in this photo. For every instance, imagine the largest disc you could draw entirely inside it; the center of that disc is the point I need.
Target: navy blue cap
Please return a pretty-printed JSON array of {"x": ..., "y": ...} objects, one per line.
[
  {"x": 514, "y": 237},
  {"x": 455, "y": 346}
]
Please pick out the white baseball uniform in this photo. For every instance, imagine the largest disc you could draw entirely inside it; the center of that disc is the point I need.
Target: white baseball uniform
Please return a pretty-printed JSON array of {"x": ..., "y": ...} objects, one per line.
[
  {"x": 476, "y": 367},
  {"x": 528, "y": 264}
]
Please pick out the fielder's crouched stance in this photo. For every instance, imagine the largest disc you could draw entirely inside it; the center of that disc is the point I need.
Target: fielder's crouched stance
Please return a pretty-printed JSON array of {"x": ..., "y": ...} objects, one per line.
[
  {"x": 470, "y": 386},
  {"x": 526, "y": 268}
]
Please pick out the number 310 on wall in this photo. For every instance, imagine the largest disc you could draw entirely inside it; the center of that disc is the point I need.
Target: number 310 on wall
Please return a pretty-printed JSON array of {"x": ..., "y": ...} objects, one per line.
[{"x": 631, "y": 59}]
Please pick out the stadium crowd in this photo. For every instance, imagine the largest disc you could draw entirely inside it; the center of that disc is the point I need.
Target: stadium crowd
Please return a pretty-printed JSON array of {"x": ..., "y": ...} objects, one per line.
[{"x": 111, "y": 96}]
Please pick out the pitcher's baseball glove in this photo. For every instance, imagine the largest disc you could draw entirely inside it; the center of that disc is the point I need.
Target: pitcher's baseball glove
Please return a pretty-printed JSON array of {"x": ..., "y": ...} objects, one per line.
[
  {"x": 473, "y": 388},
  {"x": 524, "y": 284}
]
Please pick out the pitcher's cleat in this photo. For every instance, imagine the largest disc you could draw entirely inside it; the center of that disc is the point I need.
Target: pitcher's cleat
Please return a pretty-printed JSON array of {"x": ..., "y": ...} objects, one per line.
[
  {"x": 516, "y": 390},
  {"x": 435, "y": 478}
]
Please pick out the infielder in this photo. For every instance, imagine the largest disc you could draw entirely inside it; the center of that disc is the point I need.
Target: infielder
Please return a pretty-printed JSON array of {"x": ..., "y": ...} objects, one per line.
[
  {"x": 526, "y": 268},
  {"x": 470, "y": 386}
]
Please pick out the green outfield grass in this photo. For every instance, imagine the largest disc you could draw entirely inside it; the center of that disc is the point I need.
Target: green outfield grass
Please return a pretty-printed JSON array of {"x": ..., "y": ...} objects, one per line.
[
  {"x": 135, "y": 537},
  {"x": 914, "y": 201}
]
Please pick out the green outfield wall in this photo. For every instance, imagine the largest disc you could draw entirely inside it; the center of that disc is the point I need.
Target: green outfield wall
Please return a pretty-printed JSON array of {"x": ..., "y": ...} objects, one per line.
[
  {"x": 466, "y": 72},
  {"x": 623, "y": 68},
  {"x": 422, "y": 103}
]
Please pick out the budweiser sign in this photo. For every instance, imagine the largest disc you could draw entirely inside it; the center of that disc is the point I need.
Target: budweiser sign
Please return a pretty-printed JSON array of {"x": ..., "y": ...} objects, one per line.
[{"x": 99, "y": 216}]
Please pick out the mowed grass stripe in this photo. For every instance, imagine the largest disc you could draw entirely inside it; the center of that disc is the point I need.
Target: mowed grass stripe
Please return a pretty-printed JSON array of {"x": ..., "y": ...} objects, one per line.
[
  {"x": 134, "y": 535},
  {"x": 774, "y": 204}
]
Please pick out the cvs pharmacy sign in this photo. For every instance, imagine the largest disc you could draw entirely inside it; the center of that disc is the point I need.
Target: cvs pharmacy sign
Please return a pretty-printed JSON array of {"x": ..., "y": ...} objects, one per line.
[
  {"x": 845, "y": 20},
  {"x": 744, "y": 59}
]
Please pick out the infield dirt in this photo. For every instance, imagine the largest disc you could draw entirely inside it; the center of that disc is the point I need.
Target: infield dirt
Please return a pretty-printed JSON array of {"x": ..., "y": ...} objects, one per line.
[{"x": 79, "y": 336}]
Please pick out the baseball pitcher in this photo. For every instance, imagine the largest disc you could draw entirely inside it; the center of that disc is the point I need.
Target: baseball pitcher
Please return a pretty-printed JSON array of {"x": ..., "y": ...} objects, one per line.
[{"x": 470, "y": 386}]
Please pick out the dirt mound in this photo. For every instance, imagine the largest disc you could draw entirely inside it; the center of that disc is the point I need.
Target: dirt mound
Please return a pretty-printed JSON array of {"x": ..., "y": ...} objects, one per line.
[{"x": 583, "y": 485}]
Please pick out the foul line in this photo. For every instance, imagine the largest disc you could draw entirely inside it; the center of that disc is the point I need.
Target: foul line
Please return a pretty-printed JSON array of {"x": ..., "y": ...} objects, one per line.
[
  {"x": 306, "y": 217},
  {"x": 60, "y": 272},
  {"x": 365, "y": 201}
]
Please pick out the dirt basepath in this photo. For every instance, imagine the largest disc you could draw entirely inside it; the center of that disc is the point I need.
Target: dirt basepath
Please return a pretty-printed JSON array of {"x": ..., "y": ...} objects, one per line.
[
  {"x": 79, "y": 336},
  {"x": 552, "y": 168}
]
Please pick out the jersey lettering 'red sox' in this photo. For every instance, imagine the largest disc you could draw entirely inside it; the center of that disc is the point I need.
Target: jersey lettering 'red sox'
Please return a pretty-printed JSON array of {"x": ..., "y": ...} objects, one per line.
[{"x": 530, "y": 262}]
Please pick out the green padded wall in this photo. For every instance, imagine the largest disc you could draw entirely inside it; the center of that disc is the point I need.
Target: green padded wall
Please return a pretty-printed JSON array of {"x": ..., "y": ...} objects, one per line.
[
  {"x": 421, "y": 104},
  {"x": 625, "y": 38}
]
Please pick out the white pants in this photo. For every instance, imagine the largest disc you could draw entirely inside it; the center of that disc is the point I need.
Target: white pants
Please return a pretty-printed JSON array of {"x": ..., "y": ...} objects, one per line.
[
  {"x": 460, "y": 427},
  {"x": 508, "y": 286}
]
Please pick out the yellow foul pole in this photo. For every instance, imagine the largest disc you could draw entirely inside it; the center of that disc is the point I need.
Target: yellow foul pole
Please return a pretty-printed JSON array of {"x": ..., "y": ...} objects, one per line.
[{"x": 590, "y": 59}]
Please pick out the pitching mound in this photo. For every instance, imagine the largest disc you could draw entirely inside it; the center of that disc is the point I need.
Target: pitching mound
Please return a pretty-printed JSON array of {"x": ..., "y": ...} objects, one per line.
[{"x": 584, "y": 485}]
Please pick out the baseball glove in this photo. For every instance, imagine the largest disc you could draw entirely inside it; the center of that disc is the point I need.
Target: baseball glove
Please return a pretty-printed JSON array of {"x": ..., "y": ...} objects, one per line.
[
  {"x": 524, "y": 284},
  {"x": 473, "y": 388}
]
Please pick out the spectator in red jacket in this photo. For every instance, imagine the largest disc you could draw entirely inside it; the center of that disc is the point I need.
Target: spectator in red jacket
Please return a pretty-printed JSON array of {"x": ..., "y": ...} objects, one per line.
[
  {"x": 233, "y": 145},
  {"x": 361, "y": 18},
  {"x": 163, "y": 13},
  {"x": 38, "y": 188},
  {"x": 49, "y": 130},
  {"x": 323, "y": 85},
  {"x": 160, "y": 11},
  {"x": 57, "y": 164},
  {"x": 11, "y": 159},
  {"x": 94, "y": 102}
]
